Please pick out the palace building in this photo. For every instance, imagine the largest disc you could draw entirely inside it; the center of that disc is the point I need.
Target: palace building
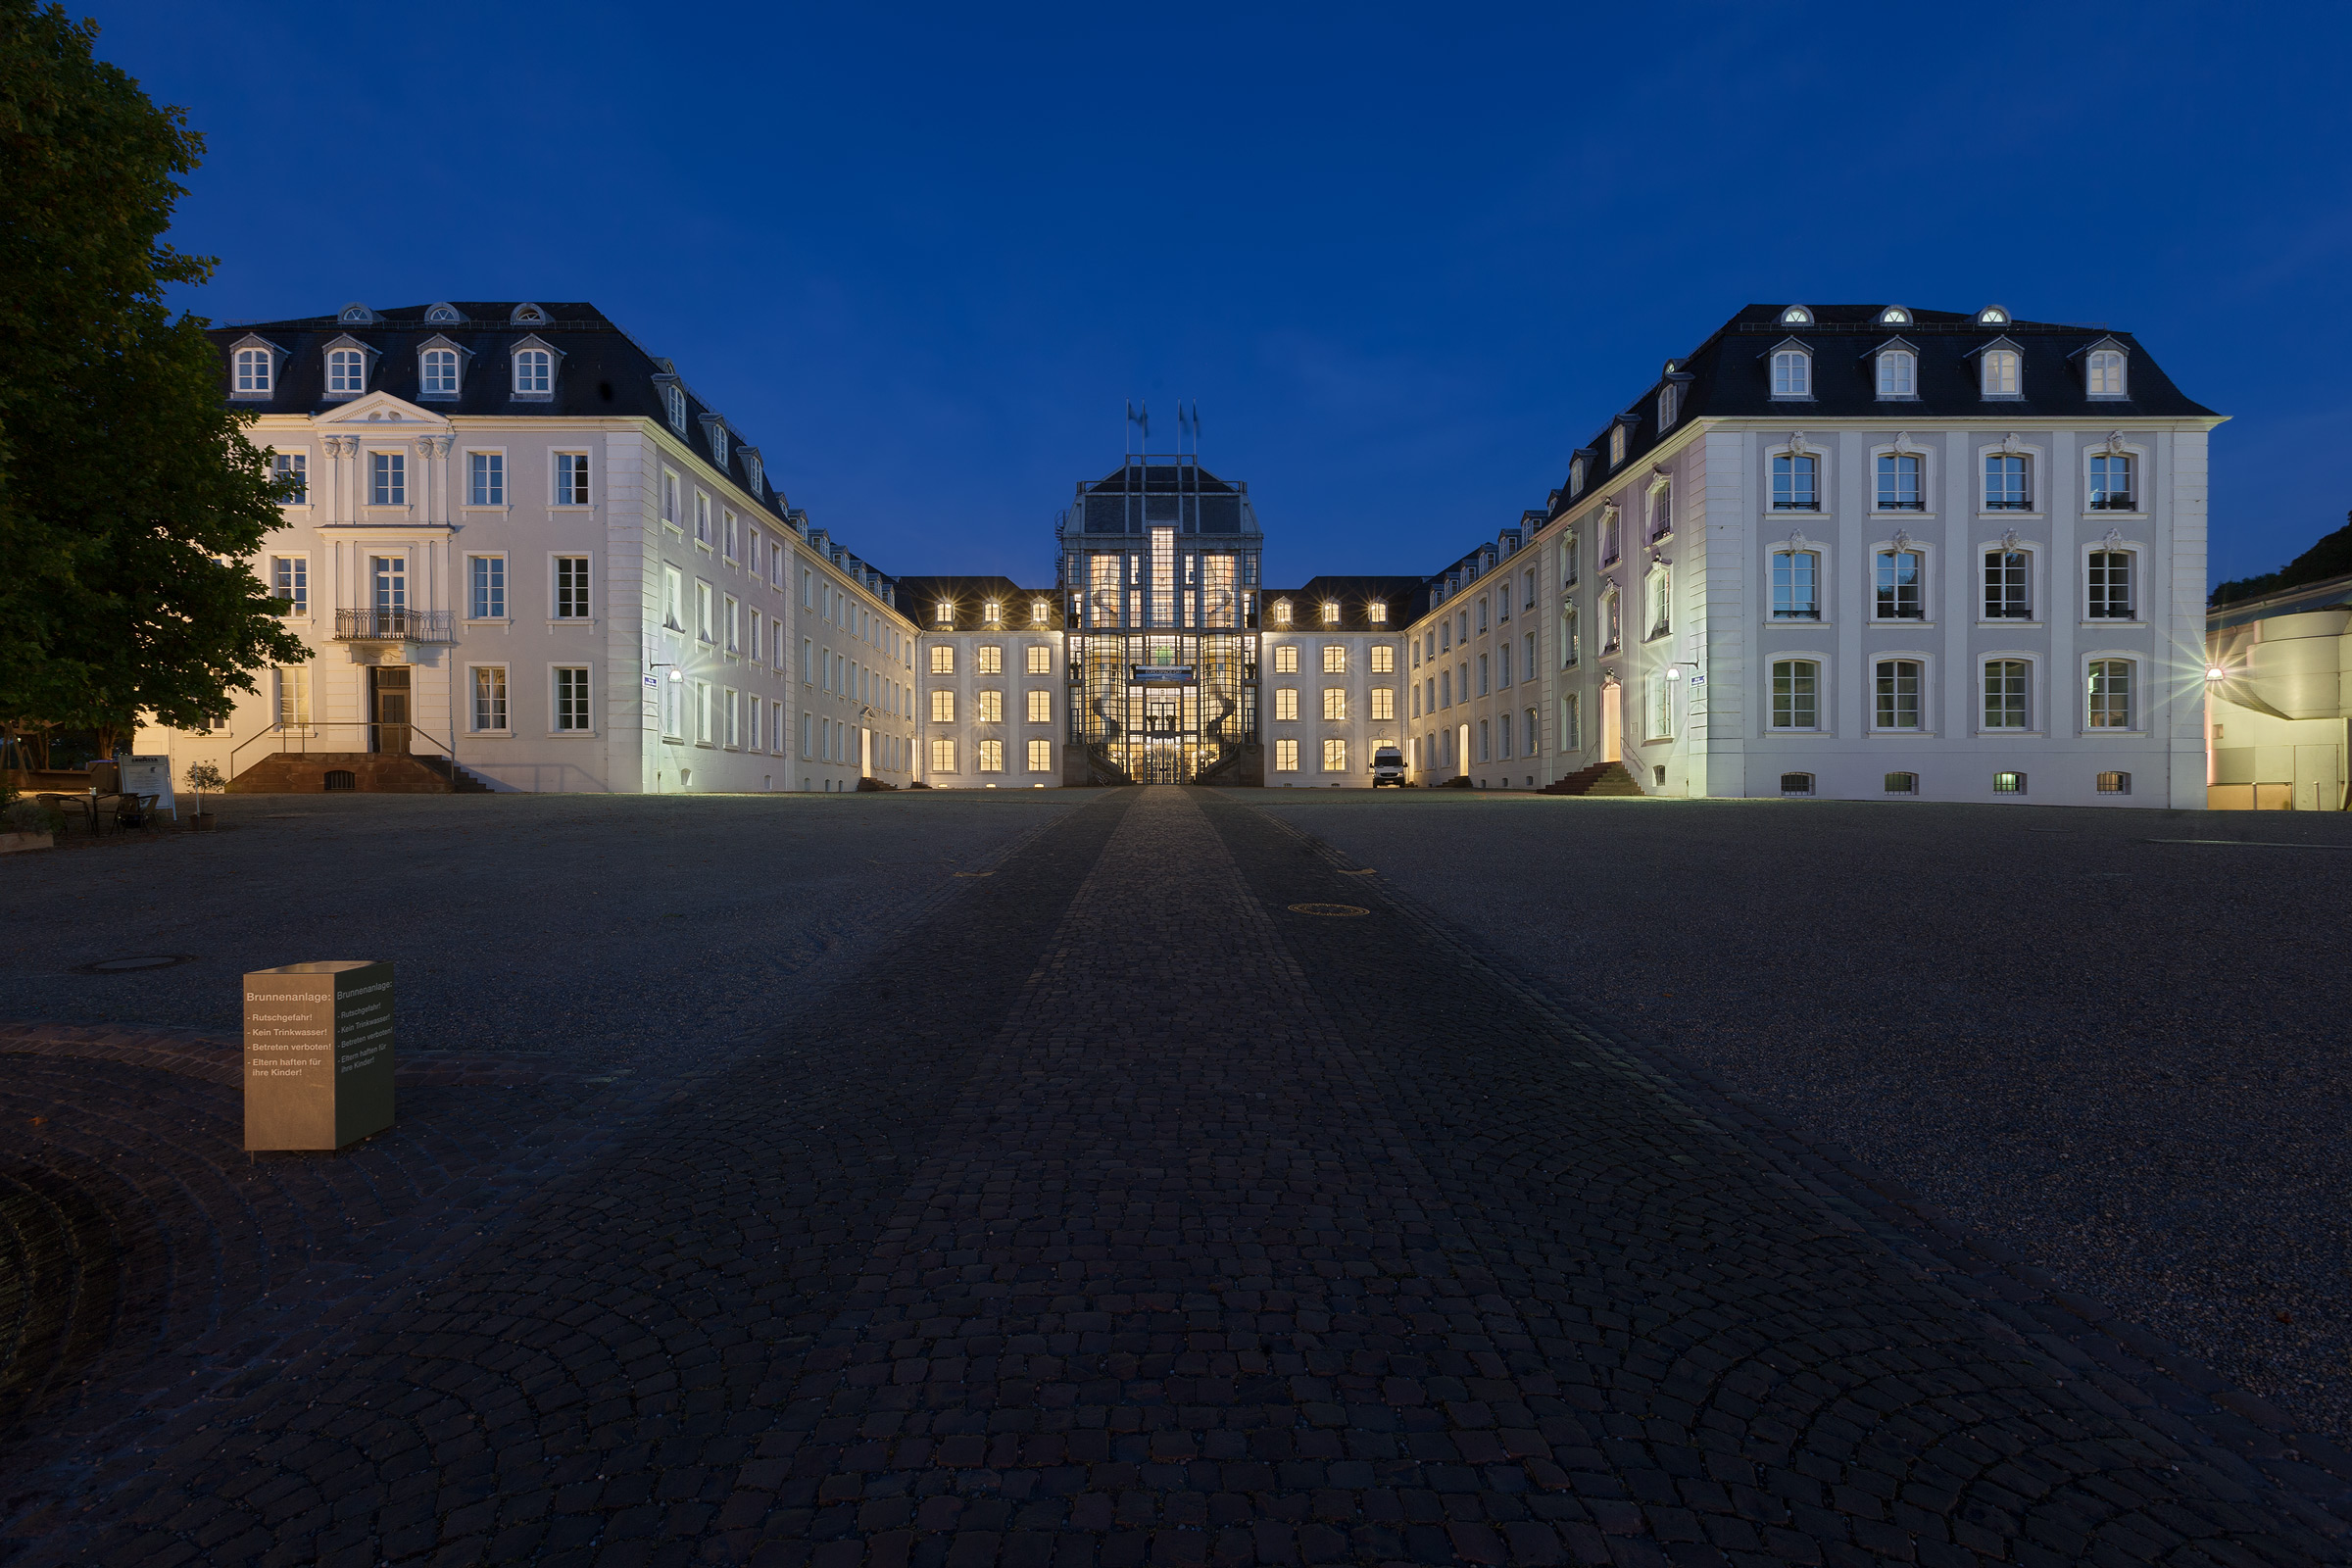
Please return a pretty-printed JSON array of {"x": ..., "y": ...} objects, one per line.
[{"x": 1860, "y": 552}]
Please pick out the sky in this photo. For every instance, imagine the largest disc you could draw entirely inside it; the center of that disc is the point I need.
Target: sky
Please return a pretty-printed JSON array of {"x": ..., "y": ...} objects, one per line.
[{"x": 1405, "y": 259}]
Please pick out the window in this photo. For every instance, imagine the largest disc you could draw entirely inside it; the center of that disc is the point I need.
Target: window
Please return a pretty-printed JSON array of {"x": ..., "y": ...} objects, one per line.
[
  {"x": 572, "y": 699},
  {"x": 1377, "y": 612},
  {"x": 487, "y": 587},
  {"x": 2110, "y": 690},
  {"x": 1898, "y": 693},
  {"x": 1482, "y": 676},
  {"x": 1568, "y": 559},
  {"x": 670, "y": 501},
  {"x": 2000, "y": 373},
  {"x": 489, "y": 698},
  {"x": 1898, "y": 482},
  {"x": 1667, "y": 403},
  {"x": 1335, "y": 702},
  {"x": 1611, "y": 623},
  {"x": 1572, "y": 735},
  {"x": 387, "y": 480},
  {"x": 1041, "y": 756},
  {"x": 346, "y": 371},
  {"x": 1796, "y": 783},
  {"x": 702, "y": 519},
  {"x": 2008, "y": 577},
  {"x": 1796, "y": 482},
  {"x": 991, "y": 756},
  {"x": 987, "y": 707},
  {"x": 1384, "y": 703},
  {"x": 1658, "y": 589},
  {"x": 673, "y": 599},
  {"x": 2115, "y": 783},
  {"x": 292, "y": 470},
  {"x": 1037, "y": 612},
  {"x": 2111, "y": 482},
  {"x": 437, "y": 373},
  {"x": 1898, "y": 585},
  {"x": 1660, "y": 705},
  {"x": 1285, "y": 658},
  {"x": 1792, "y": 373},
  {"x": 485, "y": 479},
  {"x": 571, "y": 587},
  {"x": 1571, "y": 638},
  {"x": 1041, "y": 705},
  {"x": 1331, "y": 612},
  {"x": 571, "y": 478},
  {"x": 1482, "y": 616},
  {"x": 992, "y": 659},
  {"x": 1383, "y": 659},
  {"x": 1282, "y": 611},
  {"x": 2008, "y": 783},
  {"x": 389, "y": 577},
  {"x": 991, "y": 615},
  {"x": 752, "y": 723},
  {"x": 943, "y": 706},
  {"x": 1902, "y": 783},
  {"x": 1795, "y": 585},
  {"x": 2105, "y": 373},
  {"x": 1335, "y": 756},
  {"x": 1286, "y": 756},
  {"x": 673, "y": 401},
  {"x": 1335, "y": 658},
  {"x": 1486, "y": 751},
  {"x": 2006, "y": 486},
  {"x": 718, "y": 443},
  {"x": 2005, "y": 694},
  {"x": 1616, "y": 446},
  {"x": 293, "y": 696},
  {"x": 290, "y": 580},
  {"x": 733, "y": 623},
  {"x": 943, "y": 755},
  {"x": 1661, "y": 514},
  {"x": 1795, "y": 694},
  {"x": 256, "y": 372},
  {"x": 1041, "y": 659},
  {"x": 1576, "y": 478},
  {"x": 705, "y": 618},
  {"x": 534, "y": 372},
  {"x": 1286, "y": 702},
  {"x": 1898, "y": 373},
  {"x": 2110, "y": 585},
  {"x": 943, "y": 658},
  {"x": 1502, "y": 664},
  {"x": 1610, "y": 540}
]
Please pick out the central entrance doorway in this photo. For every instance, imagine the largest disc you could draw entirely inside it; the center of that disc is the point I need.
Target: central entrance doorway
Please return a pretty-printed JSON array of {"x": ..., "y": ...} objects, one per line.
[
  {"x": 1612, "y": 722},
  {"x": 388, "y": 708}
]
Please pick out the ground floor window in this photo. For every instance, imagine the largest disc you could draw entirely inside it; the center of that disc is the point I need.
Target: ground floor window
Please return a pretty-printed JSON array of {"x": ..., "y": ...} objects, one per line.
[
  {"x": 1335, "y": 757},
  {"x": 2111, "y": 694},
  {"x": 1041, "y": 756},
  {"x": 1795, "y": 694},
  {"x": 991, "y": 756},
  {"x": 1286, "y": 756},
  {"x": 572, "y": 699},
  {"x": 943, "y": 755},
  {"x": 733, "y": 708},
  {"x": 1898, "y": 693},
  {"x": 489, "y": 697},
  {"x": 1572, "y": 732}
]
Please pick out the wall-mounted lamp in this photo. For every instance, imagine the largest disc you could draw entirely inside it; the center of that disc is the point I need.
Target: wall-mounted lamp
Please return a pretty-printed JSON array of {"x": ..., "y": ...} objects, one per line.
[{"x": 2215, "y": 674}]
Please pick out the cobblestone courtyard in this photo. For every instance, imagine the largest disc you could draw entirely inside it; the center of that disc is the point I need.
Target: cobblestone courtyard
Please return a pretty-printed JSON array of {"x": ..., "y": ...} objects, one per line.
[{"x": 1110, "y": 1179}]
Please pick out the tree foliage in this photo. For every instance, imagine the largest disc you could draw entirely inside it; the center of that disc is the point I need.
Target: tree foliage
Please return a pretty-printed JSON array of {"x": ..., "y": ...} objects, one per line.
[
  {"x": 2331, "y": 557},
  {"x": 131, "y": 501}
]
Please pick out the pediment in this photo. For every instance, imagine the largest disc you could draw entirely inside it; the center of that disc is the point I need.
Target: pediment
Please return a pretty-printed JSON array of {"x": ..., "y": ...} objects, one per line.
[
  {"x": 437, "y": 341},
  {"x": 380, "y": 408},
  {"x": 2009, "y": 343},
  {"x": 1902, "y": 343},
  {"x": 2102, "y": 343}
]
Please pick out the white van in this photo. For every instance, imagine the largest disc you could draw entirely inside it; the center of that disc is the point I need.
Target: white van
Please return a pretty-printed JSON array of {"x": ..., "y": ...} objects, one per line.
[{"x": 1387, "y": 767}]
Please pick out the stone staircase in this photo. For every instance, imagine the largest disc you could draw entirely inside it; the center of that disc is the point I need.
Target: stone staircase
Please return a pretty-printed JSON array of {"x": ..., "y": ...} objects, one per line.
[
  {"x": 367, "y": 772},
  {"x": 1601, "y": 778}
]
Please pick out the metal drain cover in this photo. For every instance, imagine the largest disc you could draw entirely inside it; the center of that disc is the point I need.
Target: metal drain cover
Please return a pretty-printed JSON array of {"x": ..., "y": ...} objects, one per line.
[
  {"x": 1339, "y": 910},
  {"x": 131, "y": 965}
]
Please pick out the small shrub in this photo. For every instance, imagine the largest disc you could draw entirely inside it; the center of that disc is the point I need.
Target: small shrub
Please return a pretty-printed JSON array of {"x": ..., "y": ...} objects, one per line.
[{"x": 35, "y": 817}]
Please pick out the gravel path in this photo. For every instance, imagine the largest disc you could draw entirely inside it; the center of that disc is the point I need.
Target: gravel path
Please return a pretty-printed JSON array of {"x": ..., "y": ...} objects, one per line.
[{"x": 2124, "y": 1060}]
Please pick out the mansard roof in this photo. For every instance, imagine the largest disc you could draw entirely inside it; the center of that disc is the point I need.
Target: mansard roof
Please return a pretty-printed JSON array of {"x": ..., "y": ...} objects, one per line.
[
  {"x": 1404, "y": 596},
  {"x": 919, "y": 599}
]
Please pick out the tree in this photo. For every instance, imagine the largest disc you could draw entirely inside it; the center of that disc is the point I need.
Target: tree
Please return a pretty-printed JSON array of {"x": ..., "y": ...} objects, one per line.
[
  {"x": 131, "y": 501},
  {"x": 2331, "y": 557}
]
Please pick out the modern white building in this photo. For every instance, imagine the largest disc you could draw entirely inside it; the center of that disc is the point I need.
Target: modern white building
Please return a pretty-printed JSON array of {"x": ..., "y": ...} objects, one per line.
[
  {"x": 2281, "y": 679},
  {"x": 526, "y": 556}
]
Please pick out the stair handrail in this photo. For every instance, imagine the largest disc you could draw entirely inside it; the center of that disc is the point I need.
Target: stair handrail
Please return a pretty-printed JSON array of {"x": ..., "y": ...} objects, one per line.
[{"x": 279, "y": 727}]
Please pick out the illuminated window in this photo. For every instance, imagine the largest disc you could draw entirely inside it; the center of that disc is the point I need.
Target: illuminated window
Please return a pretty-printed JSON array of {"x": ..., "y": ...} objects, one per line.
[
  {"x": 1384, "y": 703},
  {"x": 1335, "y": 702},
  {"x": 1335, "y": 658},
  {"x": 1041, "y": 756},
  {"x": 2115, "y": 783},
  {"x": 943, "y": 658},
  {"x": 1331, "y": 612},
  {"x": 1286, "y": 702},
  {"x": 1285, "y": 658},
  {"x": 1383, "y": 659},
  {"x": 991, "y": 756},
  {"x": 943, "y": 755},
  {"x": 1282, "y": 611},
  {"x": 992, "y": 659},
  {"x": 943, "y": 706},
  {"x": 992, "y": 613},
  {"x": 1792, "y": 373},
  {"x": 1286, "y": 756},
  {"x": 1377, "y": 611},
  {"x": 1616, "y": 446},
  {"x": 1036, "y": 612},
  {"x": 2008, "y": 783},
  {"x": 1335, "y": 756},
  {"x": 2110, "y": 691},
  {"x": 989, "y": 707},
  {"x": 2105, "y": 375},
  {"x": 2000, "y": 373},
  {"x": 1041, "y": 705},
  {"x": 1041, "y": 659}
]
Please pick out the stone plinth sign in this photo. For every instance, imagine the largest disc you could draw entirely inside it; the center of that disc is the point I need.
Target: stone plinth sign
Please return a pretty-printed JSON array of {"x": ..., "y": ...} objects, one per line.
[{"x": 317, "y": 1054}]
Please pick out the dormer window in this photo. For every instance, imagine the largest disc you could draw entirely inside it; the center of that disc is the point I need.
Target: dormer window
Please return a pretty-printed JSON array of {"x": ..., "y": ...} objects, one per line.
[
  {"x": 1036, "y": 612},
  {"x": 1616, "y": 446},
  {"x": 2103, "y": 373},
  {"x": 437, "y": 373},
  {"x": 1576, "y": 478},
  {"x": 1282, "y": 611},
  {"x": 1668, "y": 396},
  {"x": 256, "y": 372},
  {"x": 1797, "y": 316},
  {"x": 534, "y": 374},
  {"x": 1898, "y": 373},
  {"x": 1792, "y": 373},
  {"x": 754, "y": 473},
  {"x": 346, "y": 371},
  {"x": 1331, "y": 612},
  {"x": 1993, "y": 316},
  {"x": 716, "y": 428},
  {"x": 1894, "y": 316},
  {"x": 356, "y": 314},
  {"x": 443, "y": 313},
  {"x": 673, "y": 400},
  {"x": 992, "y": 613},
  {"x": 1377, "y": 611},
  {"x": 528, "y": 315},
  {"x": 2001, "y": 372}
]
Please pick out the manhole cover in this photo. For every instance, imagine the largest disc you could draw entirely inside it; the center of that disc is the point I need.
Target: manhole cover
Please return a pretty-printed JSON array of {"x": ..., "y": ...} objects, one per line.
[
  {"x": 1327, "y": 909},
  {"x": 131, "y": 965}
]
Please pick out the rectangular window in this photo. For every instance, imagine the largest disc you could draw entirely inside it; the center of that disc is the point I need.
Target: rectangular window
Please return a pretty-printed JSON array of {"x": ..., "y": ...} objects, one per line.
[
  {"x": 293, "y": 696},
  {"x": 673, "y": 599},
  {"x": 571, "y": 587},
  {"x": 389, "y": 577},
  {"x": 670, "y": 499},
  {"x": 293, "y": 472},
  {"x": 1795, "y": 483},
  {"x": 1791, "y": 377},
  {"x": 2008, "y": 783},
  {"x": 702, "y": 518},
  {"x": 734, "y": 624},
  {"x": 2111, "y": 694},
  {"x": 705, "y": 719},
  {"x": 255, "y": 371},
  {"x": 1286, "y": 702},
  {"x": 1795, "y": 694},
  {"x": 1335, "y": 658},
  {"x": 488, "y": 579},
  {"x": 1335, "y": 702},
  {"x": 1335, "y": 756},
  {"x": 1039, "y": 659},
  {"x": 943, "y": 755},
  {"x": 731, "y": 705},
  {"x": 991, "y": 756},
  {"x": 2005, "y": 486},
  {"x": 991, "y": 660},
  {"x": 1898, "y": 585},
  {"x": 1383, "y": 659},
  {"x": 571, "y": 478},
  {"x": 1384, "y": 703},
  {"x": 387, "y": 480},
  {"x": 705, "y": 628},
  {"x": 572, "y": 699},
  {"x": 750, "y": 635},
  {"x": 1041, "y": 756},
  {"x": 1898, "y": 693},
  {"x": 730, "y": 534},
  {"x": 485, "y": 478},
  {"x": 1041, "y": 705},
  {"x": 2110, "y": 585},
  {"x": 1482, "y": 674},
  {"x": 943, "y": 658},
  {"x": 2005, "y": 694},
  {"x": 991, "y": 707},
  {"x": 2007, "y": 586},
  {"x": 1661, "y": 706},
  {"x": 808, "y": 663},
  {"x": 1285, "y": 658},
  {"x": 290, "y": 580},
  {"x": 943, "y": 706},
  {"x": 751, "y": 723},
  {"x": 1286, "y": 756},
  {"x": 489, "y": 698},
  {"x": 1571, "y": 638},
  {"x": 1898, "y": 482},
  {"x": 2000, "y": 374},
  {"x": 2115, "y": 783},
  {"x": 1572, "y": 734},
  {"x": 2109, "y": 483}
]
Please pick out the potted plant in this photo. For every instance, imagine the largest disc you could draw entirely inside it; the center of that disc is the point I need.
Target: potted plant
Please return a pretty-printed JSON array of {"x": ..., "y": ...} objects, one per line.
[
  {"x": 203, "y": 776},
  {"x": 28, "y": 826}
]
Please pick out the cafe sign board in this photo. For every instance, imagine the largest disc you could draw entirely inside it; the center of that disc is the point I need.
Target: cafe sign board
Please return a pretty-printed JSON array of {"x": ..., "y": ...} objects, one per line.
[{"x": 317, "y": 1054}]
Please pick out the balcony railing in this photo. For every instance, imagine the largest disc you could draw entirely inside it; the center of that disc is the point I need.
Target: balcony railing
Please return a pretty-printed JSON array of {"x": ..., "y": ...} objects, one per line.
[{"x": 392, "y": 625}]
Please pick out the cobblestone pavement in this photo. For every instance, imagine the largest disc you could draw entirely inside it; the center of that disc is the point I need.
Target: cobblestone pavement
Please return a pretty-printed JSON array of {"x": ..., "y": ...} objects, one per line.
[{"x": 1141, "y": 1204}]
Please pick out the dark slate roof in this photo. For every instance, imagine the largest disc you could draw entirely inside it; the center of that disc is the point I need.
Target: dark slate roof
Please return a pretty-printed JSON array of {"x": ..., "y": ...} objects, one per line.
[
  {"x": 2334, "y": 593},
  {"x": 1406, "y": 596},
  {"x": 1730, "y": 375},
  {"x": 1164, "y": 491},
  {"x": 919, "y": 599},
  {"x": 601, "y": 372}
]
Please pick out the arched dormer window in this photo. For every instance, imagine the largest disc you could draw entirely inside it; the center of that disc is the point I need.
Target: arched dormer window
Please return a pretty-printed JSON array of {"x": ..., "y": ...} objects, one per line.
[
  {"x": 1036, "y": 612},
  {"x": 1616, "y": 446},
  {"x": 535, "y": 370},
  {"x": 348, "y": 363},
  {"x": 1331, "y": 612},
  {"x": 1993, "y": 316},
  {"x": 1377, "y": 611},
  {"x": 1797, "y": 316},
  {"x": 1282, "y": 611},
  {"x": 1792, "y": 370},
  {"x": 528, "y": 315},
  {"x": 442, "y": 313},
  {"x": 1576, "y": 478},
  {"x": 754, "y": 472},
  {"x": 1896, "y": 370},
  {"x": 715, "y": 429},
  {"x": 2000, "y": 371},
  {"x": 674, "y": 402},
  {"x": 1669, "y": 405},
  {"x": 356, "y": 315},
  {"x": 2105, "y": 368},
  {"x": 440, "y": 368},
  {"x": 253, "y": 369},
  {"x": 1894, "y": 316}
]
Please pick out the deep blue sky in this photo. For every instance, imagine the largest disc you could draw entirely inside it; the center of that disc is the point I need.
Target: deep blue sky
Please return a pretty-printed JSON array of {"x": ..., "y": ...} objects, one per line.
[{"x": 1406, "y": 258}]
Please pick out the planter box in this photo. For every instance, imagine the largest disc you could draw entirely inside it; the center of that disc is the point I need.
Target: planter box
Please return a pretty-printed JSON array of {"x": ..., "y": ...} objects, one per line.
[{"x": 11, "y": 842}]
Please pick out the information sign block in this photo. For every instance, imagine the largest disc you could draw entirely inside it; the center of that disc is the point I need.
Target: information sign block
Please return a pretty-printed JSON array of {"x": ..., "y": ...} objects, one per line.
[{"x": 318, "y": 1054}]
